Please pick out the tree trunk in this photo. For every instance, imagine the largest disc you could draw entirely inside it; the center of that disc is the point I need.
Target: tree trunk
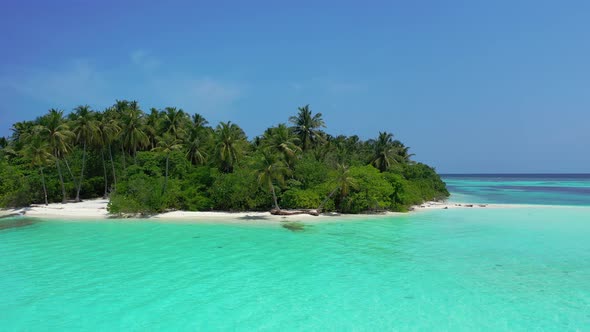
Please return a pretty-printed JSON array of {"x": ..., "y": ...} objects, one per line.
[
  {"x": 61, "y": 180},
  {"x": 104, "y": 168},
  {"x": 81, "y": 173},
  {"x": 113, "y": 166},
  {"x": 166, "y": 177},
  {"x": 274, "y": 196},
  {"x": 293, "y": 212},
  {"x": 321, "y": 207},
  {"x": 44, "y": 187},
  {"x": 71, "y": 173},
  {"x": 123, "y": 154}
]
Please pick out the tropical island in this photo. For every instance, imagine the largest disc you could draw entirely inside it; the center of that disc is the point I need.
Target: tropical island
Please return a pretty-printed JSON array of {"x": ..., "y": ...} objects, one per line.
[{"x": 164, "y": 160}]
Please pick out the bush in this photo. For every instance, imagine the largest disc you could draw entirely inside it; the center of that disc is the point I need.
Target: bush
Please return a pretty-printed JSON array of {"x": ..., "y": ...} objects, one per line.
[
  {"x": 239, "y": 191},
  {"x": 373, "y": 192},
  {"x": 194, "y": 195},
  {"x": 309, "y": 172},
  {"x": 414, "y": 184},
  {"x": 295, "y": 198},
  {"x": 15, "y": 190},
  {"x": 140, "y": 194}
]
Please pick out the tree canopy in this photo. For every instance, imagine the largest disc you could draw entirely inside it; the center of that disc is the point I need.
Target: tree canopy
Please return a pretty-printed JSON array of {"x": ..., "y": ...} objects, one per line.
[{"x": 148, "y": 162}]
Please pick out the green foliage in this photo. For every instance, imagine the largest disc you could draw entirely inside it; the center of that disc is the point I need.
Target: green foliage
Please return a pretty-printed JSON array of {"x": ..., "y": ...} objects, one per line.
[
  {"x": 415, "y": 183},
  {"x": 230, "y": 145},
  {"x": 373, "y": 192},
  {"x": 310, "y": 172},
  {"x": 195, "y": 199},
  {"x": 140, "y": 194},
  {"x": 14, "y": 187},
  {"x": 239, "y": 191},
  {"x": 295, "y": 198},
  {"x": 398, "y": 198},
  {"x": 307, "y": 127},
  {"x": 194, "y": 189},
  {"x": 168, "y": 159}
]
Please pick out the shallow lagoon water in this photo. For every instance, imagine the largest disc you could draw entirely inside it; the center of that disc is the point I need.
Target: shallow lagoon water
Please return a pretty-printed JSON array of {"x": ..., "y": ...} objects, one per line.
[{"x": 459, "y": 269}]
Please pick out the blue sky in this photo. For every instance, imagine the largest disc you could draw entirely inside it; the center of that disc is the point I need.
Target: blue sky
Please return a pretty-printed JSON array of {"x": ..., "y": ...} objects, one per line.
[{"x": 471, "y": 86}]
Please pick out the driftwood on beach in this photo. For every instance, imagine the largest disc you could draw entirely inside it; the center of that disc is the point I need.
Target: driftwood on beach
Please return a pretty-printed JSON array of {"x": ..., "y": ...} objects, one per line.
[{"x": 279, "y": 212}]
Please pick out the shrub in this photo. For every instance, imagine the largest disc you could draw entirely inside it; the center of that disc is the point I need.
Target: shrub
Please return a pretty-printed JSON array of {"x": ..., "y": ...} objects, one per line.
[
  {"x": 239, "y": 191},
  {"x": 295, "y": 198},
  {"x": 15, "y": 190},
  {"x": 372, "y": 193}
]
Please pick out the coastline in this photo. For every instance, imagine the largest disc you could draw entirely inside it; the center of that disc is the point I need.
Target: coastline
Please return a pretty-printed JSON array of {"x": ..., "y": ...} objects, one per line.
[{"x": 96, "y": 209}]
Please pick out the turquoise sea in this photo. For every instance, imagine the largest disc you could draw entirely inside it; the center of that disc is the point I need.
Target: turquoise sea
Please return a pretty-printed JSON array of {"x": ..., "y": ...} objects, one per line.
[
  {"x": 516, "y": 269},
  {"x": 543, "y": 189}
]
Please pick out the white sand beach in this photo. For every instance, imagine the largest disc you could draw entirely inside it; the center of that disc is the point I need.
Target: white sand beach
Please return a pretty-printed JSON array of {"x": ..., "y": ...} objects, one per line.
[
  {"x": 97, "y": 209},
  {"x": 93, "y": 208}
]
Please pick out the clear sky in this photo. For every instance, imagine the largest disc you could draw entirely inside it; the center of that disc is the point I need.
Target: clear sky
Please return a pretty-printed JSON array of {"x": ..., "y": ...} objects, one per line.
[{"x": 470, "y": 86}]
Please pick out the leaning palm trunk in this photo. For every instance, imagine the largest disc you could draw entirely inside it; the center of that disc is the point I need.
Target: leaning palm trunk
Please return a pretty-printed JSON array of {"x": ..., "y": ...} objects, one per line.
[
  {"x": 61, "y": 180},
  {"x": 71, "y": 173},
  {"x": 166, "y": 177},
  {"x": 81, "y": 173},
  {"x": 274, "y": 197},
  {"x": 113, "y": 167},
  {"x": 123, "y": 154},
  {"x": 104, "y": 168},
  {"x": 44, "y": 187},
  {"x": 321, "y": 207}
]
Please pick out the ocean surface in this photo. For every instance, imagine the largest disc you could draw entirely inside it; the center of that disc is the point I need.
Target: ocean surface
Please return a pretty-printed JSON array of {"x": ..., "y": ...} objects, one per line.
[
  {"x": 543, "y": 189},
  {"x": 514, "y": 269}
]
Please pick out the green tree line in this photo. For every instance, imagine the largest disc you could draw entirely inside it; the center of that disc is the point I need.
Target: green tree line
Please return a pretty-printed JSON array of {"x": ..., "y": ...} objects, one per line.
[{"x": 160, "y": 160}]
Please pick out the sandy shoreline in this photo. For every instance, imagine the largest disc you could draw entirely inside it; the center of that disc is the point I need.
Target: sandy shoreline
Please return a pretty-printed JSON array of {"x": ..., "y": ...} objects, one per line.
[{"x": 97, "y": 209}]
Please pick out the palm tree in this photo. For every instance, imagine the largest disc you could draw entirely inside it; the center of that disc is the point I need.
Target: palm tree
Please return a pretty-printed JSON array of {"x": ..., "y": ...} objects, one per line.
[
  {"x": 85, "y": 127},
  {"x": 134, "y": 106},
  {"x": 173, "y": 121},
  {"x": 55, "y": 130},
  {"x": 121, "y": 106},
  {"x": 38, "y": 152},
  {"x": 134, "y": 136},
  {"x": 384, "y": 152},
  {"x": 197, "y": 139},
  {"x": 199, "y": 121},
  {"x": 195, "y": 146},
  {"x": 152, "y": 125},
  {"x": 270, "y": 168},
  {"x": 230, "y": 142},
  {"x": 343, "y": 182},
  {"x": 113, "y": 119},
  {"x": 403, "y": 153},
  {"x": 5, "y": 150},
  {"x": 167, "y": 144},
  {"x": 306, "y": 127},
  {"x": 347, "y": 149},
  {"x": 281, "y": 140},
  {"x": 21, "y": 132},
  {"x": 108, "y": 131}
]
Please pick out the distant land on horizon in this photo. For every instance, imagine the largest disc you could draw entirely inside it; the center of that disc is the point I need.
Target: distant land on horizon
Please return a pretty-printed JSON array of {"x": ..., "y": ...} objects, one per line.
[{"x": 515, "y": 174}]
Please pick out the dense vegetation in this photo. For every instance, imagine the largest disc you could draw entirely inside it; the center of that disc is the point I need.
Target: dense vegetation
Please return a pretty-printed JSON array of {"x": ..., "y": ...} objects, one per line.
[{"x": 149, "y": 162}]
